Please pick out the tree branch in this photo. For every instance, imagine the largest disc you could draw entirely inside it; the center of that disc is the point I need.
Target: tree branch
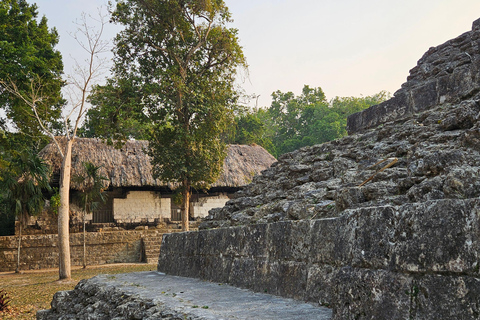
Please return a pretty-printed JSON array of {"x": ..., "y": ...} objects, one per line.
[{"x": 31, "y": 100}]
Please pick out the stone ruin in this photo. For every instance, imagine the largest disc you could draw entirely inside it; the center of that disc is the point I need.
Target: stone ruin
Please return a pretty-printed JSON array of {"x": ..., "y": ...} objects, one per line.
[{"x": 381, "y": 224}]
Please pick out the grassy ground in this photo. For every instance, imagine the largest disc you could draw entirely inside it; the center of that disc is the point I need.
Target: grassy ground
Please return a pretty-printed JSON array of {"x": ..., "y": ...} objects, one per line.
[{"x": 33, "y": 290}]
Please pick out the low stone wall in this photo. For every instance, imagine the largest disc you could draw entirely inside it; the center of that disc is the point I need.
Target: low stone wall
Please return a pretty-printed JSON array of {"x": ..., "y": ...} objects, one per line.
[
  {"x": 40, "y": 251},
  {"x": 415, "y": 261}
]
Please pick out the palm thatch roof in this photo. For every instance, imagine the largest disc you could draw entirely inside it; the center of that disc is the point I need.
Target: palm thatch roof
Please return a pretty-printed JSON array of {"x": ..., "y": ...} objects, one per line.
[{"x": 130, "y": 166}]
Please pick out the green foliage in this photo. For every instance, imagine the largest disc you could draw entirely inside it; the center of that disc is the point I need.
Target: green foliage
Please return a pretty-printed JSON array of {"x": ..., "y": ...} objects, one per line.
[
  {"x": 292, "y": 122},
  {"x": 182, "y": 59},
  {"x": 177, "y": 198},
  {"x": 11, "y": 144},
  {"x": 22, "y": 184},
  {"x": 251, "y": 127},
  {"x": 4, "y": 300},
  {"x": 292, "y": 117},
  {"x": 55, "y": 201},
  {"x": 91, "y": 187},
  {"x": 27, "y": 55},
  {"x": 119, "y": 113}
]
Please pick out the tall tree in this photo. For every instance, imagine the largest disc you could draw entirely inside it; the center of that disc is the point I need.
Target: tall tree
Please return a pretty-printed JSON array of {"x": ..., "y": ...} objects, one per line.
[
  {"x": 184, "y": 59},
  {"x": 27, "y": 51},
  {"x": 22, "y": 185},
  {"x": 35, "y": 98},
  {"x": 91, "y": 194}
]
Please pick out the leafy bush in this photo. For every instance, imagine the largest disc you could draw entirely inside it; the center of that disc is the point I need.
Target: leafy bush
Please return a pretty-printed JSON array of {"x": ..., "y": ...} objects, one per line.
[
  {"x": 4, "y": 300},
  {"x": 55, "y": 201}
]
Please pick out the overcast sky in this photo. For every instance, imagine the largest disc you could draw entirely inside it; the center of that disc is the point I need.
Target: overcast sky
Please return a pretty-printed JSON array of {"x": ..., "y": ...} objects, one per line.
[{"x": 346, "y": 47}]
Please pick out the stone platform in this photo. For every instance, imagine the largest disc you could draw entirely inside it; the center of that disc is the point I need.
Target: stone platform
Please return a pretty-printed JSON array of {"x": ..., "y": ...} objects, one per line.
[{"x": 154, "y": 295}]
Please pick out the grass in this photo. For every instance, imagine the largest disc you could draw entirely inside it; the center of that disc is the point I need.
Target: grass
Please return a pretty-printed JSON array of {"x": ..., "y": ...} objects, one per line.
[{"x": 33, "y": 290}]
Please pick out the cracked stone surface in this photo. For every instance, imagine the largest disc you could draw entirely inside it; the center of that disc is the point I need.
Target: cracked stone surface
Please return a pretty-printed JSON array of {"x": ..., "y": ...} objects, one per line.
[{"x": 154, "y": 295}]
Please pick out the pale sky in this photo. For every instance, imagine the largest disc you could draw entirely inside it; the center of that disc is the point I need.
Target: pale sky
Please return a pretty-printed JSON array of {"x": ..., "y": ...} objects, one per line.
[{"x": 346, "y": 47}]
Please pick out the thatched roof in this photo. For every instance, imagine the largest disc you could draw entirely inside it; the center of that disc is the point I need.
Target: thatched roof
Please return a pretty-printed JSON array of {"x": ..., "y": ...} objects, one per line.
[{"x": 130, "y": 166}]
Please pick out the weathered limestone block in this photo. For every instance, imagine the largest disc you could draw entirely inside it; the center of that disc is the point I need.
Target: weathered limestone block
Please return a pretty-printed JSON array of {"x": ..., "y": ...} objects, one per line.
[
  {"x": 445, "y": 238},
  {"x": 435, "y": 236},
  {"x": 371, "y": 294},
  {"x": 445, "y": 297},
  {"x": 92, "y": 301},
  {"x": 368, "y": 263}
]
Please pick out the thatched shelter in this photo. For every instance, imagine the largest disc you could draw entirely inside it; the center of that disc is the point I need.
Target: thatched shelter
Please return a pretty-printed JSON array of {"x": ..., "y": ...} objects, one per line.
[{"x": 135, "y": 196}]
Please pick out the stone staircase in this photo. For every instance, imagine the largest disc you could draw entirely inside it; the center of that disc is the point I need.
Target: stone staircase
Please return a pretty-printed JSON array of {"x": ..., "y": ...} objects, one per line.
[
  {"x": 151, "y": 244},
  {"x": 152, "y": 240}
]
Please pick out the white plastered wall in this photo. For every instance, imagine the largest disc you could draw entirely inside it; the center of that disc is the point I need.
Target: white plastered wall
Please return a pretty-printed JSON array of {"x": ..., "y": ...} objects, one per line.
[
  {"x": 204, "y": 204},
  {"x": 140, "y": 206}
]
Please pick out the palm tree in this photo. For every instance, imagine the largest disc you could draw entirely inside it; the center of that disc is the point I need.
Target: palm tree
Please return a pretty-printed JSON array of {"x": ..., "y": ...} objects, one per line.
[
  {"x": 91, "y": 194},
  {"x": 22, "y": 183}
]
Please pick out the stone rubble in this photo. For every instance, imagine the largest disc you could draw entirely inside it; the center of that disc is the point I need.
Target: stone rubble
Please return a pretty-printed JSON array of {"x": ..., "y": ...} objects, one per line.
[
  {"x": 436, "y": 144},
  {"x": 438, "y": 153}
]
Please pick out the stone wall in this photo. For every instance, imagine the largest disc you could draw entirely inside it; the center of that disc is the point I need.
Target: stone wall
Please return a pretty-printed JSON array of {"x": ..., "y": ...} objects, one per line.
[
  {"x": 447, "y": 73},
  {"x": 140, "y": 206},
  {"x": 414, "y": 261},
  {"x": 40, "y": 251}
]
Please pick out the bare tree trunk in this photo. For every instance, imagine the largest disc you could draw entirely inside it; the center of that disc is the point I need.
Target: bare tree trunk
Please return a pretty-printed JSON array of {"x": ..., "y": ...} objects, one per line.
[
  {"x": 63, "y": 214},
  {"x": 81, "y": 86},
  {"x": 84, "y": 246},
  {"x": 186, "y": 205},
  {"x": 17, "y": 270}
]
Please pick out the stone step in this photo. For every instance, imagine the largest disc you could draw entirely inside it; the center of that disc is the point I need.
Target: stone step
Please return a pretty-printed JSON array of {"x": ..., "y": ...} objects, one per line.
[
  {"x": 152, "y": 245},
  {"x": 154, "y": 295}
]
